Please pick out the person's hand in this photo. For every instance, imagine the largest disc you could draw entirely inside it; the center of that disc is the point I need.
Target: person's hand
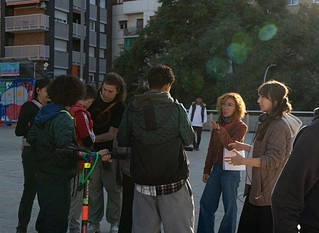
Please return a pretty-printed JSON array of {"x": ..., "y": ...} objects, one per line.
[
  {"x": 235, "y": 160},
  {"x": 105, "y": 155},
  {"x": 237, "y": 145},
  {"x": 215, "y": 125},
  {"x": 205, "y": 178}
]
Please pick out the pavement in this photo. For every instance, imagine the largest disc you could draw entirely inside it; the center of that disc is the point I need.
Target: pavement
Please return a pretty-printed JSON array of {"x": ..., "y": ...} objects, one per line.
[{"x": 11, "y": 182}]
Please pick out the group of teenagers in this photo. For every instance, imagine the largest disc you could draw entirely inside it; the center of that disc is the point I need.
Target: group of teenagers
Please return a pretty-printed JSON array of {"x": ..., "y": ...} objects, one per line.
[{"x": 151, "y": 187}]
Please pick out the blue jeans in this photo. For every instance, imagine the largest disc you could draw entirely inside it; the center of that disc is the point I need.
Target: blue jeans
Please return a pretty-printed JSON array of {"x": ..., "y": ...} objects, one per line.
[{"x": 225, "y": 183}]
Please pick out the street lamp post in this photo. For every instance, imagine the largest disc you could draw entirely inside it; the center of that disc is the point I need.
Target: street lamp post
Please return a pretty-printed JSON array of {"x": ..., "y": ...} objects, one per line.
[{"x": 265, "y": 75}]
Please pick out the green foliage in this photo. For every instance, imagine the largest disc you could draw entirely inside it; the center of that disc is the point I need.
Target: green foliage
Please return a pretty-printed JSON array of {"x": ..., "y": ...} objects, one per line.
[{"x": 218, "y": 46}]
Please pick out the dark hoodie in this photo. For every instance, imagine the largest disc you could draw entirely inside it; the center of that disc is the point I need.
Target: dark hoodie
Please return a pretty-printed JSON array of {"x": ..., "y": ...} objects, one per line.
[{"x": 53, "y": 129}]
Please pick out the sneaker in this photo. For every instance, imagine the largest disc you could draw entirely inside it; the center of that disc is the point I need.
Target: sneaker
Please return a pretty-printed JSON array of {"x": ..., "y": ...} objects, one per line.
[
  {"x": 114, "y": 228},
  {"x": 93, "y": 228}
]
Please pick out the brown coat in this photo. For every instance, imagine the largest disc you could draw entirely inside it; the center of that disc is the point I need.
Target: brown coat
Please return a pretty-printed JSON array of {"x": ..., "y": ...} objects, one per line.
[
  {"x": 219, "y": 140},
  {"x": 273, "y": 152}
]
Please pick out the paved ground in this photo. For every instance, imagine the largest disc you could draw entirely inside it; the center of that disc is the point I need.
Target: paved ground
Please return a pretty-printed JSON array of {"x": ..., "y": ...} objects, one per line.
[{"x": 11, "y": 181}]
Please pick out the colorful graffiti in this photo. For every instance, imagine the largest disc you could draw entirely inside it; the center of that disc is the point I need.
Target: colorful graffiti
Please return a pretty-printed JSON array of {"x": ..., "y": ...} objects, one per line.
[{"x": 13, "y": 94}]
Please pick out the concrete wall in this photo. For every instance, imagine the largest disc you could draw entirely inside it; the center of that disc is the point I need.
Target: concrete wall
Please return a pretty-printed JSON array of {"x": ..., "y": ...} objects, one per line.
[{"x": 251, "y": 119}]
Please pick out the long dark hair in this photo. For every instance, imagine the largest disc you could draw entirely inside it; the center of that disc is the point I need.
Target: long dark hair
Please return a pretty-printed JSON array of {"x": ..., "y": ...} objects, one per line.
[
  {"x": 277, "y": 93},
  {"x": 40, "y": 83}
]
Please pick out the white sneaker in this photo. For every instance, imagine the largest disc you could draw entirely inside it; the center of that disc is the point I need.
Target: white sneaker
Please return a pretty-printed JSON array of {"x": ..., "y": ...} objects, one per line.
[
  {"x": 114, "y": 228},
  {"x": 93, "y": 228}
]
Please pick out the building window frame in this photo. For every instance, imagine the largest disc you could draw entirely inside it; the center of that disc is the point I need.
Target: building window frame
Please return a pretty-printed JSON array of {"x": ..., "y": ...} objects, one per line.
[
  {"x": 292, "y": 2},
  {"x": 123, "y": 24}
]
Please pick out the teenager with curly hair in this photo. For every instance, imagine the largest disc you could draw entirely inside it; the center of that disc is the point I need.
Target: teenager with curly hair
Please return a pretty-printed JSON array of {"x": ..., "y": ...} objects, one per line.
[
  {"x": 229, "y": 128},
  {"x": 54, "y": 129},
  {"x": 106, "y": 112}
]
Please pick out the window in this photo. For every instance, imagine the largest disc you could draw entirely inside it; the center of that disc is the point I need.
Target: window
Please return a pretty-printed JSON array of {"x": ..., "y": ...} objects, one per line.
[
  {"x": 91, "y": 52},
  {"x": 102, "y": 53},
  {"x": 123, "y": 24},
  {"x": 102, "y": 4},
  {"x": 102, "y": 27},
  {"x": 92, "y": 25},
  {"x": 292, "y": 2},
  {"x": 60, "y": 45},
  {"x": 92, "y": 2},
  {"x": 139, "y": 23},
  {"x": 315, "y": 1}
]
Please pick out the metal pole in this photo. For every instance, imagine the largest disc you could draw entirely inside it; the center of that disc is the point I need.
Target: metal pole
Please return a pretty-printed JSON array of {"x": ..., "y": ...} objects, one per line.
[
  {"x": 265, "y": 75},
  {"x": 82, "y": 40}
]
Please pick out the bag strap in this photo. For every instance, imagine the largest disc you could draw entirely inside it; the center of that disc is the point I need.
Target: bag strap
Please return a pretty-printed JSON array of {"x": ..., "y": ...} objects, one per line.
[
  {"x": 37, "y": 103},
  {"x": 108, "y": 108}
]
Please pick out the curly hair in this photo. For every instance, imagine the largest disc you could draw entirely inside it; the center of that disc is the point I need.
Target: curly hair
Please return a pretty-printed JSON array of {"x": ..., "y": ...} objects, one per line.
[
  {"x": 116, "y": 80},
  {"x": 160, "y": 75},
  {"x": 277, "y": 93},
  {"x": 240, "y": 108},
  {"x": 66, "y": 90}
]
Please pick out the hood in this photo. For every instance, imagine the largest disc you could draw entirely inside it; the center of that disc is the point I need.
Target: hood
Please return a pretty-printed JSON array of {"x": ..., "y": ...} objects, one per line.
[
  {"x": 152, "y": 101},
  {"x": 152, "y": 98},
  {"x": 293, "y": 122},
  {"x": 77, "y": 108},
  {"x": 47, "y": 112}
]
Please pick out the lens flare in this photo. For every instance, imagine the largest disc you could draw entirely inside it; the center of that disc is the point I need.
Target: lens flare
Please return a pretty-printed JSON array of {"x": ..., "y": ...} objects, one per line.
[
  {"x": 216, "y": 67},
  {"x": 267, "y": 32},
  {"x": 242, "y": 39},
  {"x": 237, "y": 53}
]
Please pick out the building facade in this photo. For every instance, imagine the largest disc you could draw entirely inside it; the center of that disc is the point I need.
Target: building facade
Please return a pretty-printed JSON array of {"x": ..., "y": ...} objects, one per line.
[
  {"x": 130, "y": 16},
  {"x": 59, "y": 36}
]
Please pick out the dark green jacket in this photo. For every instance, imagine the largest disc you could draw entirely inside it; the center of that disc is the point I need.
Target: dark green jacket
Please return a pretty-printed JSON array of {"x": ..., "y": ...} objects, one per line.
[
  {"x": 167, "y": 119},
  {"x": 53, "y": 129}
]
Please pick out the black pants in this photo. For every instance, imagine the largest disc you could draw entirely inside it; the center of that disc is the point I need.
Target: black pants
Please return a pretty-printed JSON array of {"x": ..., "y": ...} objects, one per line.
[
  {"x": 29, "y": 190},
  {"x": 126, "y": 214},
  {"x": 255, "y": 219},
  {"x": 54, "y": 201},
  {"x": 198, "y": 130}
]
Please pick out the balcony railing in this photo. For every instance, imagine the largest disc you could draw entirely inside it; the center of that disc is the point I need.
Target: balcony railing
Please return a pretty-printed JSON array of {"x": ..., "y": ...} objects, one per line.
[
  {"x": 27, "y": 22},
  {"x": 34, "y": 52},
  {"x": 77, "y": 30},
  {"x": 131, "y": 31},
  {"x": 76, "y": 58}
]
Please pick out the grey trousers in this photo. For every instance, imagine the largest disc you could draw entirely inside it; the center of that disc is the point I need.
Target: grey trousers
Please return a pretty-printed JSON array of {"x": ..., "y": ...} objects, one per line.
[
  {"x": 75, "y": 208},
  {"x": 175, "y": 211},
  {"x": 109, "y": 180}
]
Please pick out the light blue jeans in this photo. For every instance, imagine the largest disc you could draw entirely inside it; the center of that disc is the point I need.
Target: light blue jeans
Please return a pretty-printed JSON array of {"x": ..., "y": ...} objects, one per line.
[{"x": 225, "y": 183}]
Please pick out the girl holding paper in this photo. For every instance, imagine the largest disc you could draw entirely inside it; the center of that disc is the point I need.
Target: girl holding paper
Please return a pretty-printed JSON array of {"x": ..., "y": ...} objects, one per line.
[
  {"x": 266, "y": 156},
  {"x": 228, "y": 129}
]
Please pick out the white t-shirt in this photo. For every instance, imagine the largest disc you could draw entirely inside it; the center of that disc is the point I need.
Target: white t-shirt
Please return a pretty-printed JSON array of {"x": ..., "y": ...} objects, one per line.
[{"x": 197, "y": 119}]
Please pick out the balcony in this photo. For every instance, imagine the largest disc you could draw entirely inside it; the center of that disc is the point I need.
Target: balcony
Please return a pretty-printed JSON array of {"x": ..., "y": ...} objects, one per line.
[
  {"x": 77, "y": 4},
  {"x": 76, "y": 58},
  {"x": 34, "y": 52},
  {"x": 21, "y": 2},
  {"x": 77, "y": 30},
  {"x": 34, "y": 23},
  {"x": 131, "y": 32}
]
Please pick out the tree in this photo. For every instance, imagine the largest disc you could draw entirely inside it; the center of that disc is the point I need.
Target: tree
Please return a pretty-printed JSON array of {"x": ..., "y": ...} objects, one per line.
[{"x": 218, "y": 46}]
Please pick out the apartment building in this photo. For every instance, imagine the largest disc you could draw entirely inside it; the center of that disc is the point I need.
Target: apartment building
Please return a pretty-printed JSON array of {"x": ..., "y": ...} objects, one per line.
[
  {"x": 58, "y": 36},
  {"x": 294, "y": 5},
  {"x": 130, "y": 16}
]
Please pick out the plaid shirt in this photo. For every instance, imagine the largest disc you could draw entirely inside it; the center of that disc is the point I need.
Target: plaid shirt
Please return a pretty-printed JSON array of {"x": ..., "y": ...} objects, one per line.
[{"x": 160, "y": 190}]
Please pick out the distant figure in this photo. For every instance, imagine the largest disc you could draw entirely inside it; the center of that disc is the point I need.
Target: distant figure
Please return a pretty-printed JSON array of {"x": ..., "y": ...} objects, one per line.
[
  {"x": 156, "y": 128},
  {"x": 266, "y": 156},
  {"x": 229, "y": 128},
  {"x": 197, "y": 115},
  {"x": 26, "y": 118},
  {"x": 295, "y": 197}
]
